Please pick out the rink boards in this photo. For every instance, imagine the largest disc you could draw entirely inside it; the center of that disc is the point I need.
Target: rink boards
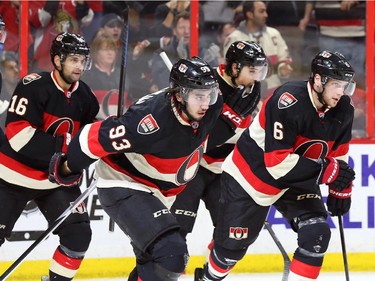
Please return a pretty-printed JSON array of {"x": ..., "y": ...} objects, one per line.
[{"x": 110, "y": 254}]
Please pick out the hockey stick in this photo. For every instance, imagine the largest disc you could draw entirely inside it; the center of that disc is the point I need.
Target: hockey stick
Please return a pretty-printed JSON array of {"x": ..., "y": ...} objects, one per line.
[
  {"x": 49, "y": 230},
  {"x": 124, "y": 62},
  {"x": 344, "y": 256},
  {"x": 282, "y": 250}
]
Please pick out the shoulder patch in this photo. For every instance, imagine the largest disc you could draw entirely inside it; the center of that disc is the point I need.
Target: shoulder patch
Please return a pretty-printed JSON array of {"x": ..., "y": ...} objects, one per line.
[
  {"x": 30, "y": 78},
  {"x": 286, "y": 100},
  {"x": 147, "y": 125}
]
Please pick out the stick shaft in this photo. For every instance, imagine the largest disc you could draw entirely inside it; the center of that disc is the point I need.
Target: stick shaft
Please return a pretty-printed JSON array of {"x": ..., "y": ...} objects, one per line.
[{"x": 343, "y": 247}]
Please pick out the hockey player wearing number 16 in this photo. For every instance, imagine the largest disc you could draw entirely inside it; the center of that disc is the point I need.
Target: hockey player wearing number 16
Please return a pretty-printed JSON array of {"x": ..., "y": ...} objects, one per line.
[
  {"x": 239, "y": 82},
  {"x": 298, "y": 140},
  {"x": 47, "y": 108},
  {"x": 147, "y": 156}
]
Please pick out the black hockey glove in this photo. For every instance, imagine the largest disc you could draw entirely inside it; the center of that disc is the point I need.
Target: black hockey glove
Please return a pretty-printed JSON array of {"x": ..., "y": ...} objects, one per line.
[
  {"x": 55, "y": 174},
  {"x": 336, "y": 173},
  {"x": 338, "y": 202},
  {"x": 242, "y": 101}
]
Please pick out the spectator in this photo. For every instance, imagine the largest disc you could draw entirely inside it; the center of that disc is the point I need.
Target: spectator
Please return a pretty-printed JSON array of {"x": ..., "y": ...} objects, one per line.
[
  {"x": 285, "y": 17},
  {"x": 62, "y": 22},
  {"x": 104, "y": 75},
  {"x": 165, "y": 17},
  {"x": 10, "y": 76},
  {"x": 3, "y": 102},
  {"x": 111, "y": 25},
  {"x": 342, "y": 28},
  {"x": 254, "y": 28},
  {"x": 177, "y": 48}
]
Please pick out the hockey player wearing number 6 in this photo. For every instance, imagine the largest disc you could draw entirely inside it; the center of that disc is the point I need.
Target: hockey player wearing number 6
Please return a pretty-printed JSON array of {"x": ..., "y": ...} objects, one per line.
[
  {"x": 239, "y": 81},
  {"x": 298, "y": 141},
  {"x": 147, "y": 156},
  {"x": 47, "y": 108}
]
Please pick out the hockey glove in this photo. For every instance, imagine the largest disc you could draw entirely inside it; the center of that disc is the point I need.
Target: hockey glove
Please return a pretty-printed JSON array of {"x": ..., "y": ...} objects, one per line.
[
  {"x": 336, "y": 173},
  {"x": 338, "y": 202},
  {"x": 55, "y": 174},
  {"x": 242, "y": 101}
]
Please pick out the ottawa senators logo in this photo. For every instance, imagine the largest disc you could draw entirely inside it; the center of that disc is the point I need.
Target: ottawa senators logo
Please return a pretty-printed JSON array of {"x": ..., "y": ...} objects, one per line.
[
  {"x": 30, "y": 78},
  {"x": 286, "y": 100},
  {"x": 147, "y": 125},
  {"x": 238, "y": 233}
]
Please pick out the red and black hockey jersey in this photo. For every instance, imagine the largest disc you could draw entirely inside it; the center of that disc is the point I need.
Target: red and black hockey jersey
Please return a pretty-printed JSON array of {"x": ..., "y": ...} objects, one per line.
[
  {"x": 151, "y": 147},
  {"x": 281, "y": 146},
  {"x": 39, "y": 111},
  {"x": 222, "y": 133}
]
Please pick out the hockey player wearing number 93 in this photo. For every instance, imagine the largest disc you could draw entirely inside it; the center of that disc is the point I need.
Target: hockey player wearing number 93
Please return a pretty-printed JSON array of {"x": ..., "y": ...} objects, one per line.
[
  {"x": 147, "y": 156},
  {"x": 298, "y": 141},
  {"x": 45, "y": 110}
]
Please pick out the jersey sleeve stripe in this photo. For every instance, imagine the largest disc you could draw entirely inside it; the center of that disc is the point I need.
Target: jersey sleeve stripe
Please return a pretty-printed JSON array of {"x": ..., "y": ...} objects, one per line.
[
  {"x": 19, "y": 134},
  {"x": 89, "y": 142}
]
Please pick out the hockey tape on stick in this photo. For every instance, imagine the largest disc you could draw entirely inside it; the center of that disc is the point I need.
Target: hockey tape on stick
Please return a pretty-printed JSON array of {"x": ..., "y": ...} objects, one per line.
[
  {"x": 166, "y": 60},
  {"x": 49, "y": 230},
  {"x": 282, "y": 250}
]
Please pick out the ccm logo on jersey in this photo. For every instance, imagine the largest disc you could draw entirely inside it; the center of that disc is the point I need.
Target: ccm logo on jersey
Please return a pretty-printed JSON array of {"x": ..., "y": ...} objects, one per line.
[
  {"x": 147, "y": 125},
  {"x": 30, "y": 78},
  {"x": 238, "y": 233},
  {"x": 286, "y": 100}
]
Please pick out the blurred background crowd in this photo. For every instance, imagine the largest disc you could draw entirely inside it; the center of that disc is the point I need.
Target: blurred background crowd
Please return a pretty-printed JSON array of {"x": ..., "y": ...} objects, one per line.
[{"x": 290, "y": 32}]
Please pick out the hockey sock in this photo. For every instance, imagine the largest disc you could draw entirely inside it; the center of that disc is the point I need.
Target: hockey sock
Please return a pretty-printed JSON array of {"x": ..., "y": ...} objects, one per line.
[{"x": 63, "y": 267}]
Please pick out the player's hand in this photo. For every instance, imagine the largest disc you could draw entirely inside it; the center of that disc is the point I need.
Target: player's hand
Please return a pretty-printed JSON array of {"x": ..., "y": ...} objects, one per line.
[
  {"x": 243, "y": 101},
  {"x": 336, "y": 173},
  {"x": 338, "y": 202},
  {"x": 59, "y": 172}
]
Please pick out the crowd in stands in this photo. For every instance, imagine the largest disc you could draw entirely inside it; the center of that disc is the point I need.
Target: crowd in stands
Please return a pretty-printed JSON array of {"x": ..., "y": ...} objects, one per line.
[{"x": 290, "y": 32}]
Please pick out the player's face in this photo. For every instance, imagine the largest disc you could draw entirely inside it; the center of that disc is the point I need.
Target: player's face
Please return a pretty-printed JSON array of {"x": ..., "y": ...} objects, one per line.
[
  {"x": 249, "y": 74},
  {"x": 74, "y": 66},
  {"x": 333, "y": 91},
  {"x": 197, "y": 103}
]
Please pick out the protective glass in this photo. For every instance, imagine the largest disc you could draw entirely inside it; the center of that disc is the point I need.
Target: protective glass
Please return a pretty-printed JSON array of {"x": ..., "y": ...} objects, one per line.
[
  {"x": 78, "y": 61},
  {"x": 200, "y": 96},
  {"x": 348, "y": 88}
]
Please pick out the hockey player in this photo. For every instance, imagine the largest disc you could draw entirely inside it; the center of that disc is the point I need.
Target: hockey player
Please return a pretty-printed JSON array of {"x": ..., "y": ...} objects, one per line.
[
  {"x": 298, "y": 140},
  {"x": 3, "y": 103},
  {"x": 147, "y": 156},
  {"x": 46, "y": 109},
  {"x": 246, "y": 65}
]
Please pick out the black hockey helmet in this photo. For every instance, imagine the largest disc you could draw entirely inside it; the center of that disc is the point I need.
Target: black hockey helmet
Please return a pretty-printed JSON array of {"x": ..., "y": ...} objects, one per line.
[
  {"x": 67, "y": 43},
  {"x": 3, "y": 33},
  {"x": 332, "y": 65},
  {"x": 194, "y": 73},
  {"x": 246, "y": 53},
  {"x": 335, "y": 66}
]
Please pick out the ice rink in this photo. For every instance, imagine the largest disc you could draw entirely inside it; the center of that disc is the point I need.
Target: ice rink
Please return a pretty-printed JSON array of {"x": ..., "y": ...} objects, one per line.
[{"x": 325, "y": 276}]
